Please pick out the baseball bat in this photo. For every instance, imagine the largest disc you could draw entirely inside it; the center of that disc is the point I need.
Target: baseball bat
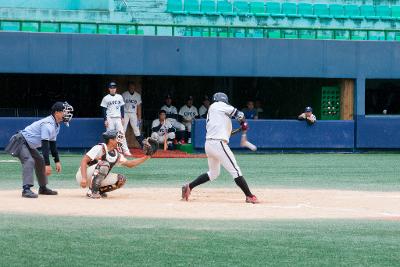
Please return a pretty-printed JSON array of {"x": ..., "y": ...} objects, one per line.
[{"x": 243, "y": 140}]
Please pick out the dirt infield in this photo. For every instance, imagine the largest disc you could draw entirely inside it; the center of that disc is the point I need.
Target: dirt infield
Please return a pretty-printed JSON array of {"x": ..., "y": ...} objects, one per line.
[{"x": 206, "y": 203}]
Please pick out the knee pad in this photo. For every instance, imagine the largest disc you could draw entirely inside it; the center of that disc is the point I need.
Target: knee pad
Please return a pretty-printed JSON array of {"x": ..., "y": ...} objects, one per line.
[{"x": 100, "y": 173}]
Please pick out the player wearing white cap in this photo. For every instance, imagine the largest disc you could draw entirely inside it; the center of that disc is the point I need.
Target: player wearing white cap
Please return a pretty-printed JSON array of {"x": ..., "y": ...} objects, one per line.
[
  {"x": 113, "y": 113},
  {"x": 219, "y": 128}
]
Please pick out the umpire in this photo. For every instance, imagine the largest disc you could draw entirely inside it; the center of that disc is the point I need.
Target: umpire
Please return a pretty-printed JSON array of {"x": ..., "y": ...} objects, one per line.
[{"x": 42, "y": 133}]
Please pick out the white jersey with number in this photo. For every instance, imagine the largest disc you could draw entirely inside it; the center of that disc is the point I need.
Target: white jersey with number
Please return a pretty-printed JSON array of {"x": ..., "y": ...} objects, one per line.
[
  {"x": 219, "y": 123},
  {"x": 188, "y": 113},
  {"x": 131, "y": 101},
  {"x": 113, "y": 103},
  {"x": 170, "y": 111}
]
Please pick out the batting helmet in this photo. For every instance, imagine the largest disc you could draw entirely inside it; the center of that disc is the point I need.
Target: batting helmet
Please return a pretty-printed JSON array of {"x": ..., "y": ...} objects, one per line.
[{"x": 220, "y": 97}]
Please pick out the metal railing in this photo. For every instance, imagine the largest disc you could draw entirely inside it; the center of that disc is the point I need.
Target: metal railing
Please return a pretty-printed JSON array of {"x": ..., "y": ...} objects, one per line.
[{"x": 199, "y": 30}]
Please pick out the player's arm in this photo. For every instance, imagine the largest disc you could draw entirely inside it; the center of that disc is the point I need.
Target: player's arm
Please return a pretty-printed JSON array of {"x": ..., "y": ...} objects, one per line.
[
  {"x": 139, "y": 112},
  {"x": 135, "y": 162},
  {"x": 84, "y": 164},
  {"x": 301, "y": 117},
  {"x": 156, "y": 126},
  {"x": 54, "y": 154},
  {"x": 104, "y": 110}
]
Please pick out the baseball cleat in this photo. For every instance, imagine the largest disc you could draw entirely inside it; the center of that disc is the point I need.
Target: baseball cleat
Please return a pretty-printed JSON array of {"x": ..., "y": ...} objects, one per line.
[
  {"x": 252, "y": 199},
  {"x": 95, "y": 195},
  {"x": 47, "y": 191},
  {"x": 27, "y": 193},
  {"x": 185, "y": 192}
]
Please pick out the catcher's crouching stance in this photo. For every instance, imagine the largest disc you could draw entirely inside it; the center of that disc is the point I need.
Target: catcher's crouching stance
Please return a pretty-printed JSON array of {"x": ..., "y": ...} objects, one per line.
[{"x": 98, "y": 162}]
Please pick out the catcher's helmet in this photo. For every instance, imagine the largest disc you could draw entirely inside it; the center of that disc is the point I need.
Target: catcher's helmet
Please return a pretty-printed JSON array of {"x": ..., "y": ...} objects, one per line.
[{"x": 220, "y": 97}]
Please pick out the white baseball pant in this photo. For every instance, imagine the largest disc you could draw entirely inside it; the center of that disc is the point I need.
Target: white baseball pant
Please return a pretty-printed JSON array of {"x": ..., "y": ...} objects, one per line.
[
  {"x": 131, "y": 117},
  {"x": 188, "y": 126},
  {"x": 115, "y": 123},
  {"x": 110, "y": 179},
  {"x": 160, "y": 138},
  {"x": 219, "y": 153}
]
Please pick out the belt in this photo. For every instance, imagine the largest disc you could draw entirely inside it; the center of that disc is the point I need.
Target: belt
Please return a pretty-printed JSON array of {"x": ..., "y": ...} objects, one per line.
[{"x": 220, "y": 140}]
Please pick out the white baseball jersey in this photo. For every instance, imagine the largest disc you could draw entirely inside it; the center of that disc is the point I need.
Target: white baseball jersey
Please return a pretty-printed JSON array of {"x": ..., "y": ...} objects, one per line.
[
  {"x": 113, "y": 103},
  {"x": 202, "y": 111},
  {"x": 188, "y": 113},
  {"x": 219, "y": 123},
  {"x": 131, "y": 101},
  {"x": 170, "y": 111},
  {"x": 163, "y": 129}
]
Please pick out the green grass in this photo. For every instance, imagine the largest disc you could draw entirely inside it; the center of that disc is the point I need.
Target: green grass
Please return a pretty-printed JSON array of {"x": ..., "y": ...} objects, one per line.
[
  {"x": 341, "y": 171},
  {"x": 63, "y": 241},
  {"x": 29, "y": 240}
]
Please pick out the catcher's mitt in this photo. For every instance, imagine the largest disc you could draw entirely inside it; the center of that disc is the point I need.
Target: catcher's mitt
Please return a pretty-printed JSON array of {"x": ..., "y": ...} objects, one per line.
[{"x": 150, "y": 146}]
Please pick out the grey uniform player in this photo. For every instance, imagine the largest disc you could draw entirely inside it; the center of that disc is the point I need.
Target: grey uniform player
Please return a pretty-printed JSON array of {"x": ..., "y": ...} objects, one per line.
[
  {"x": 97, "y": 163},
  {"x": 219, "y": 128},
  {"x": 188, "y": 113},
  {"x": 162, "y": 130},
  {"x": 25, "y": 144},
  {"x": 133, "y": 111},
  {"x": 172, "y": 115},
  {"x": 113, "y": 113}
]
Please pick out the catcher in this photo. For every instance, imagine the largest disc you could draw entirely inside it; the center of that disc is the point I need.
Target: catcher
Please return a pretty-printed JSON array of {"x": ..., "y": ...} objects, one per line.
[
  {"x": 97, "y": 163},
  {"x": 308, "y": 116}
]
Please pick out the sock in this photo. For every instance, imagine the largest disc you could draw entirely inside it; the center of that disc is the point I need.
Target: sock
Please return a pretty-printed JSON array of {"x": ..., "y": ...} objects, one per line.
[
  {"x": 139, "y": 138},
  {"x": 203, "y": 178},
  {"x": 241, "y": 182}
]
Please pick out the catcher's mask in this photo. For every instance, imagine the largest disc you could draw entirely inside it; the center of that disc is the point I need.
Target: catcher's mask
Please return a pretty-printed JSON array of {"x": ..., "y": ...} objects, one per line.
[{"x": 66, "y": 109}]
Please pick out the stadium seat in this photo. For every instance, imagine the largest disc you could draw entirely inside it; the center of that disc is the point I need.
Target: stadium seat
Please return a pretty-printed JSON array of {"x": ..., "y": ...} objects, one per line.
[
  {"x": 290, "y": 10},
  {"x": 241, "y": 8},
  {"x": 49, "y": 27},
  {"x": 107, "y": 29},
  {"x": 325, "y": 34},
  {"x": 353, "y": 12},
  {"x": 359, "y": 35},
  {"x": 322, "y": 11},
  {"x": 337, "y": 11},
  {"x": 10, "y": 26},
  {"x": 368, "y": 12},
  {"x": 396, "y": 12},
  {"x": 274, "y": 9},
  {"x": 384, "y": 12},
  {"x": 30, "y": 27},
  {"x": 192, "y": 7},
  {"x": 376, "y": 35},
  {"x": 258, "y": 9},
  {"x": 69, "y": 27},
  {"x": 225, "y": 8},
  {"x": 307, "y": 34},
  {"x": 306, "y": 10},
  {"x": 88, "y": 28},
  {"x": 274, "y": 33},
  {"x": 175, "y": 7},
  {"x": 208, "y": 8}
]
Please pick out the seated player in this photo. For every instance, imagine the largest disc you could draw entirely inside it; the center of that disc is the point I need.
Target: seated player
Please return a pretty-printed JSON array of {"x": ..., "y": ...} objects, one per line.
[
  {"x": 188, "y": 113},
  {"x": 203, "y": 110},
  {"x": 308, "y": 116},
  {"x": 250, "y": 112},
  {"x": 172, "y": 116},
  {"x": 97, "y": 163},
  {"x": 162, "y": 130}
]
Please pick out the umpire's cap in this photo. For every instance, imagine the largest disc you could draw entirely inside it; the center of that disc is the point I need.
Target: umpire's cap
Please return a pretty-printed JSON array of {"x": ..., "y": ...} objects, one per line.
[
  {"x": 110, "y": 134},
  {"x": 220, "y": 97},
  {"x": 308, "y": 109},
  {"x": 58, "y": 106}
]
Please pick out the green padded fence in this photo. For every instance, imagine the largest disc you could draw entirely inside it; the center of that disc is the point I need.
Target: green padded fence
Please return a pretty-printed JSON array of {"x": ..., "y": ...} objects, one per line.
[{"x": 201, "y": 30}]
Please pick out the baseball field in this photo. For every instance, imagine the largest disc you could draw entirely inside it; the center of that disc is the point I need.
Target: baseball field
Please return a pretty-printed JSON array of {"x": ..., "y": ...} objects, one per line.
[{"x": 315, "y": 210}]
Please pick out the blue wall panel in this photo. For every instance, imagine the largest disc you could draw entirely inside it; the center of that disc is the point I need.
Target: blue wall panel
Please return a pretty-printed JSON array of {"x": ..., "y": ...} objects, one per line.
[
  {"x": 378, "y": 132},
  {"x": 152, "y": 55},
  {"x": 287, "y": 134},
  {"x": 82, "y": 133}
]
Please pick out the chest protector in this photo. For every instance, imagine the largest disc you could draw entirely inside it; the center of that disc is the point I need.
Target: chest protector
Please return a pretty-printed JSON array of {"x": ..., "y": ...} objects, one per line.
[{"x": 112, "y": 157}]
